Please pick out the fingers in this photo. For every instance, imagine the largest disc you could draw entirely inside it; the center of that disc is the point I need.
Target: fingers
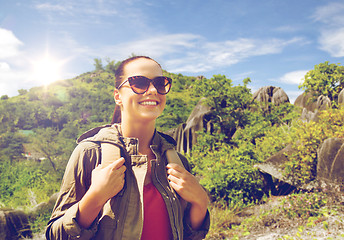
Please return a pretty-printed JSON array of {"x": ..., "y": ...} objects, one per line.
[
  {"x": 177, "y": 175},
  {"x": 119, "y": 163},
  {"x": 175, "y": 182},
  {"x": 176, "y": 170},
  {"x": 175, "y": 186},
  {"x": 175, "y": 166}
]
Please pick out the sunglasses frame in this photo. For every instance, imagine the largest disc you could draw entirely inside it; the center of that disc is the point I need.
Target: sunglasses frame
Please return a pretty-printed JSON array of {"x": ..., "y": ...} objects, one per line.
[{"x": 150, "y": 81}]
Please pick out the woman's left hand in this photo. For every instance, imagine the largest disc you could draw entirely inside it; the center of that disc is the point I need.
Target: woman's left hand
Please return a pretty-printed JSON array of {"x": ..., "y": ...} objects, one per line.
[
  {"x": 185, "y": 184},
  {"x": 188, "y": 187}
]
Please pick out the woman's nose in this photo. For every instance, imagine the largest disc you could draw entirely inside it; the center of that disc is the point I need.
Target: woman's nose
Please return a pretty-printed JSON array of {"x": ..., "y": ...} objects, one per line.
[{"x": 151, "y": 89}]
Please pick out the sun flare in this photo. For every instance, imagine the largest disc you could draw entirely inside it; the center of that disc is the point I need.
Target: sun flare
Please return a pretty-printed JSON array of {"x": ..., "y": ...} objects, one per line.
[{"x": 46, "y": 70}]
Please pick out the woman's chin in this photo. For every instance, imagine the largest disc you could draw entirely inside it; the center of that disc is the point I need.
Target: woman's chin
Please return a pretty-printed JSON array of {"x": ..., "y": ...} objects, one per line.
[{"x": 149, "y": 117}]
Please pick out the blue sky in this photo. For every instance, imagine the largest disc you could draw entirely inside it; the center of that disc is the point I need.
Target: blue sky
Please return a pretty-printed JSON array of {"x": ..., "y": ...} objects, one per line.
[{"x": 273, "y": 42}]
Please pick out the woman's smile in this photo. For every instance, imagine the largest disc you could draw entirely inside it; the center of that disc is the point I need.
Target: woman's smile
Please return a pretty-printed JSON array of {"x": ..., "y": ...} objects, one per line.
[{"x": 149, "y": 103}]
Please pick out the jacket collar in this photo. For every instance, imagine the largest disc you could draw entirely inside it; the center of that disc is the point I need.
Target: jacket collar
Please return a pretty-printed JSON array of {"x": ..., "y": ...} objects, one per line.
[
  {"x": 106, "y": 133},
  {"x": 162, "y": 142},
  {"x": 113, "y": 134}
]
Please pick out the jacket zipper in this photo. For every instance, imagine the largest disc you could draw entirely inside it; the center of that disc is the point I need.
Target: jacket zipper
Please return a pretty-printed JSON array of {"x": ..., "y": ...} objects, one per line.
[
  {"x": 121, "y": 219},
  {"x": 169, "y": 198}
]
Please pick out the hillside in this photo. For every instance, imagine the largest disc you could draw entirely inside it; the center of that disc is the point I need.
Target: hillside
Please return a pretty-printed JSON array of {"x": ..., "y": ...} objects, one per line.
[{"x": 39, "y": 127}]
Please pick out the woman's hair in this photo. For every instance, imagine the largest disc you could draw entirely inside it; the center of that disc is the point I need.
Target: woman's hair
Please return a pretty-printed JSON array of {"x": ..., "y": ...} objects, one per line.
[{"x": 119, "y": 73}]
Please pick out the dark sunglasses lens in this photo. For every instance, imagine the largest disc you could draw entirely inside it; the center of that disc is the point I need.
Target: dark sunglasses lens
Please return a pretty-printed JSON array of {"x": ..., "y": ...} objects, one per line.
[
  {"x": 139, "y": 84},
  {"x": 162, "y": 84}
]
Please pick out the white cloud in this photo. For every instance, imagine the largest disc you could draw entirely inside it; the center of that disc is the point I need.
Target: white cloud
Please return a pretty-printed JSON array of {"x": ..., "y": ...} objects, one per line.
[
  {"x": 54, "y": 7},
  {"x": 94, "y": 8},
  {"x": 242, "y": 76},
  {"x": 332, "y": 41},
  {"x": 9, "y": 44},
  {"x": 185, "y": 53},
  {"x": 4, "y": 66},
  {"x": 331, "y": 13},
  {"x": 210, "y": 55},
  {"x": 294, "y": 77},
  {"x": 10, "y": 80},
  {"x": 16, "y": 65},
  {"x": 332, "y": 30},
  {"x": 9, "y": 53},
  {"x": 155, "y": 46},
  {"x": 193, "y": 54}
]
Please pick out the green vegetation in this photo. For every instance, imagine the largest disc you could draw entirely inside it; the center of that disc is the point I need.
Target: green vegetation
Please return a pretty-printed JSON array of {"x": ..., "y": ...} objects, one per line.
[
  {"x": 308, "y": 136},
  {"x": 230, "y": 103},
  {"x": 325, "y": 79},
  {"x": 304, "y": 212},
  {"x": 39, "y": 127}
]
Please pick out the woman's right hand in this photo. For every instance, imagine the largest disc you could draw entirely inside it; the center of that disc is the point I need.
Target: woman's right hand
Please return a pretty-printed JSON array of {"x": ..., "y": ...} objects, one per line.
[{"x": 107, "y": 182}]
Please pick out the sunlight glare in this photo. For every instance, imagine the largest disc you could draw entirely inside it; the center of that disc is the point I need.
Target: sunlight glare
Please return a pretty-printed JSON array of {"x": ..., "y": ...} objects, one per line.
[{"x": 46, "y": 70}]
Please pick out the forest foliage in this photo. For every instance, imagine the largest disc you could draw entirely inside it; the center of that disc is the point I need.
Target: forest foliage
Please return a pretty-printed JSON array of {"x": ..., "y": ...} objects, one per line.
[{"x": 39, "y": 127}]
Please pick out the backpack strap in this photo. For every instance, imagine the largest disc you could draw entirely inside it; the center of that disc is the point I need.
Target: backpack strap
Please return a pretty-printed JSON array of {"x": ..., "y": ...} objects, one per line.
[
  {"x": 110, "y": 153},
  {"x": 172, "y": 157}
]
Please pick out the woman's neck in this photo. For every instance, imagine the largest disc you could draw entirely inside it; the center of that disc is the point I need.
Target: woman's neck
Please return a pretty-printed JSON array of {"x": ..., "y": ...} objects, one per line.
[{"x": 143, "y": 131}]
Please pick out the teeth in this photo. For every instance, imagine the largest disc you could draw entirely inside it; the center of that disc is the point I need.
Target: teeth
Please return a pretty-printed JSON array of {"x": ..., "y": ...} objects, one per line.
[{"x": 150, "y": 103}]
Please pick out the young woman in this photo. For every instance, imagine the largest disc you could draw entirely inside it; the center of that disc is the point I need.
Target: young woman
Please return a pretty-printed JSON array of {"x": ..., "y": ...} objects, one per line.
[{"x": 140, "y": 195}]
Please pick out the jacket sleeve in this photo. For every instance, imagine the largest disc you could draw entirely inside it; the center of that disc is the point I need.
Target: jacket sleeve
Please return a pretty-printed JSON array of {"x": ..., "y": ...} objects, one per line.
[
  {"x": 190, "y": 233},
  {"x": 75, "y": 183}
]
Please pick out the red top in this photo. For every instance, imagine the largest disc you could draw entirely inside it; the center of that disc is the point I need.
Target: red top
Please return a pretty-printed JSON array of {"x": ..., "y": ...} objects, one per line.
[{"x": 156, "y": 223}]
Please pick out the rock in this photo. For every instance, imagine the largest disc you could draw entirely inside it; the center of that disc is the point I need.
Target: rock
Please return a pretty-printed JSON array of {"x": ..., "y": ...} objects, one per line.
[
  {"x": 53, "y": 199},
  {"x": 341, "y": 97},
  {"x": 44, "y": 207},
  {"x": 185, "y": 134},
  {"x": 39, "y": 208},
  {"x": 273, "y": 168},
  {"x": 309, "y": 115},
  {"x": 303, "y": 101},
  {"x": 311, "y": 108},
  {"x": 323, "y": 103},
  {"x": 330, "y": 167},
  {"x": 199, "y": 120},
  {"x": 14, "y": 224},
  {"x": 270, "y": 94}
]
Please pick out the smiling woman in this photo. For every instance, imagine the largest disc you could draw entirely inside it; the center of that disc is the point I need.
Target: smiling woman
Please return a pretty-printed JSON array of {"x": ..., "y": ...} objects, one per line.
[{"x": 46, "y": 70}]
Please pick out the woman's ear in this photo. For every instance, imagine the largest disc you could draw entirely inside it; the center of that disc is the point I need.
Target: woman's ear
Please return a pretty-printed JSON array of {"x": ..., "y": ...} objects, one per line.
[{"x": 117, "y": 97}]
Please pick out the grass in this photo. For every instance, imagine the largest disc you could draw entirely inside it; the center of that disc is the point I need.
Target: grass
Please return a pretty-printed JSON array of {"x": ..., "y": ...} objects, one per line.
[{"x": 300, "y": 215}]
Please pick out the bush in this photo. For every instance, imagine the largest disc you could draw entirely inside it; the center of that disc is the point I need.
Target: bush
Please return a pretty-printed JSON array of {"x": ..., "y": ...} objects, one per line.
[
  {"x": 301, "y": 167},
  {"x": 325, "y": 79},
  {"x": 27, "y": 183},
  {"x": 226, "y": 172}
]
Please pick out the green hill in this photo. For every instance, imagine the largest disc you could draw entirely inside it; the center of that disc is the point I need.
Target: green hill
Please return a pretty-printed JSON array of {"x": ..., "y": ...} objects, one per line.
[{"x": 38, "y": 129}]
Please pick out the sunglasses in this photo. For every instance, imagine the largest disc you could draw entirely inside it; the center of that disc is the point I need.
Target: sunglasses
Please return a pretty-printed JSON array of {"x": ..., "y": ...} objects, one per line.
[{"x": 140, "y": 84}]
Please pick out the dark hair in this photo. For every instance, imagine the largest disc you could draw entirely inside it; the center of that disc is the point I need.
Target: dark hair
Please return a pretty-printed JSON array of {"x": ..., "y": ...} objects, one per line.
[{"x": 119, "y": 73}]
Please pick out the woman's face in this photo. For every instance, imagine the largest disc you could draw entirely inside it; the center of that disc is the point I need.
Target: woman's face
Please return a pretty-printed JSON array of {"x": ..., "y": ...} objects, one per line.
[{"x": 140, "y": 107}]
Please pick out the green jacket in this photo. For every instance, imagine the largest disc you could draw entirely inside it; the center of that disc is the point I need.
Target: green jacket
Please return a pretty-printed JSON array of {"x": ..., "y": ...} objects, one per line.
[{"x": 122, "y": 216}]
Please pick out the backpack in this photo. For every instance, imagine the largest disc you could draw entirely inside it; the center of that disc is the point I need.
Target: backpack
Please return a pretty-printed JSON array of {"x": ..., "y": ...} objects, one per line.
[{"x": 111, "y": 152}]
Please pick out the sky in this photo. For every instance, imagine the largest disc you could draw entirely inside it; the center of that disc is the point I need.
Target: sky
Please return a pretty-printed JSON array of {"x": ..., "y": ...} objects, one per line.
[{"x": 273, "y": 42}]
